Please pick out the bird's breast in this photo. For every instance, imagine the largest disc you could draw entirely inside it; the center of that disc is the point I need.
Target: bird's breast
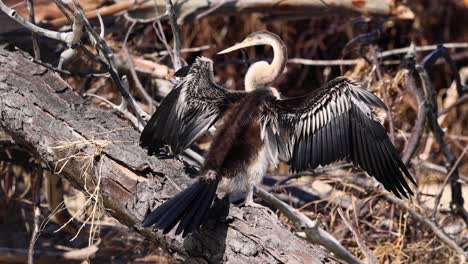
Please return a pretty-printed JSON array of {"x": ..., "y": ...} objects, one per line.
[
  {"x": 238, "y": 151},
  {"x": 246, "y": 165},
  {"x": 243, "y": 151}
]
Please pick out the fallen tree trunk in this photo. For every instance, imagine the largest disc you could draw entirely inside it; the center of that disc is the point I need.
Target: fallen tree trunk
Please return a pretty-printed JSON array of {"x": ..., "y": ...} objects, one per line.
[
  {"x": 98, "y": 151},
  {"x": 186, "y": 10}
]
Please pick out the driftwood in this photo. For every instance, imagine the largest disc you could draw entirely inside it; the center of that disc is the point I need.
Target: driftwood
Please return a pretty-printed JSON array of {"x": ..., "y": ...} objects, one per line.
[
  {"x": 188, "y": 10},
  {"x": 95, "y": 149}
]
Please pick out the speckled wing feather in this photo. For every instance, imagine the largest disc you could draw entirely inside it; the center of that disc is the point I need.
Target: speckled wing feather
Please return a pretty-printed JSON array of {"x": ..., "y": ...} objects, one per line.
[
  {"x": 335, "y": 122},
  {"x": 189, "y": 110}
]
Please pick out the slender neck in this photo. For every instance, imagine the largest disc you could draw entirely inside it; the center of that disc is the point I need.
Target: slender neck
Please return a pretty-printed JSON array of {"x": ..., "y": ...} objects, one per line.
[{"x": 261, "y": 73}]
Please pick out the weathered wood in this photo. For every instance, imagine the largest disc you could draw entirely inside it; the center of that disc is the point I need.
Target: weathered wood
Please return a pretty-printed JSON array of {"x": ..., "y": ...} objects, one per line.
[
  {"x": 187, "y": 10},
  {"x": 90, "y": 145}
]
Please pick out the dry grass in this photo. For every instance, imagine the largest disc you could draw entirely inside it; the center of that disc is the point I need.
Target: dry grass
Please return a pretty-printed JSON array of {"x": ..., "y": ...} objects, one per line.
[
  {"x": 92, "y": 209},
  {"x": 392, "y": 234}
]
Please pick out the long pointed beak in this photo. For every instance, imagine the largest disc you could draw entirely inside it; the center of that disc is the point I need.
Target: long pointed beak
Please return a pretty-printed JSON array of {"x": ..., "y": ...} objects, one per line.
[{"x": 243, "y": 44}]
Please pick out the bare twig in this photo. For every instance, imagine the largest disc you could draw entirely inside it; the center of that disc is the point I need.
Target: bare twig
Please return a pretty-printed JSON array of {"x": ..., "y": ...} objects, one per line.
[
  {"x": 52, "y": 68},
  {"x": 65, "y": 9},
  {"x": 383, "y": 91},
  {"x": 437, "y": 231},
  {"x": 145, "y": 67},
  {"x": 442, "y": 188},
  {"x": 131, "y": 67},
  {"x": 175, "y": 34},
  {"x": 32, "y": 19},
  {"x": 418, "y": 216},
  {"x": 186, "y": 50},
  {"x": 380, "y": 55},
  {"x": 371, "y": 259},
  {"x": 158, "y": 29},
  {"x": 131, "y": 19},
  {"x": 452, "y": 45},
  {"x": 130, "y": 117},
  {"x": 67, "y": 37},
  {"x": 457, "y": 195},
  {"x": 213, "y": 8},
  {"x": 322, "y": 62},
  {"x": 19, "y": 255},
  {"x": 190, "y": 9},
  {"x": 442, "y": 52},
  {"x": 460, "y": 101},
  {"x": 69, "y": 54},
  {"x": 36, "y": 200},
  {"x": 70, "y": 38},
  {"x": 419, "y": 125},
  {"x": 66, "y": 56},
  {"x": 314, "y": 233},
  {"x": 100, "y": 45}
]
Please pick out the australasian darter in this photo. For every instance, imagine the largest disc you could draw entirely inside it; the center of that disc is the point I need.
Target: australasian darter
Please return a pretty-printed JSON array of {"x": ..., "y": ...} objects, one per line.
[{"x": 334, "y": 122}]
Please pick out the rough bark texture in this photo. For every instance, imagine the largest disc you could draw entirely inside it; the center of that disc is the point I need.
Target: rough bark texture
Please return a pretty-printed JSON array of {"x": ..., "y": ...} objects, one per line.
[{"x": 90, "y": 145}]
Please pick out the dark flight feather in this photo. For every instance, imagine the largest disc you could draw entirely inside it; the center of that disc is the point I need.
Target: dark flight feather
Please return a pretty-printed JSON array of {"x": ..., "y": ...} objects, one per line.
[
  {"x": 189, "y": 110},
  {"x": 335, "y": 122}
]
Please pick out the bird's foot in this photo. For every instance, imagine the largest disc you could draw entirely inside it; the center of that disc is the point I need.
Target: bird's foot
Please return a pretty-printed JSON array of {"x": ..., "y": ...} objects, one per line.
[{"x": 210, "y": 175}]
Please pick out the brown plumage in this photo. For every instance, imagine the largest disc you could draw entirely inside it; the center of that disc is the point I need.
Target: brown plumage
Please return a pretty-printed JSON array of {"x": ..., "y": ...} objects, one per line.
[
  {"x": 334, "y": 122},
  {"x": 238, "y": 140}
]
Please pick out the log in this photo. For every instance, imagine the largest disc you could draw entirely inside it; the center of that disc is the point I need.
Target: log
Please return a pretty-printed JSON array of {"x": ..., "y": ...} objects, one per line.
[
  {"x": 187, "y": 11},
  {"x": 96, "y": 149}
]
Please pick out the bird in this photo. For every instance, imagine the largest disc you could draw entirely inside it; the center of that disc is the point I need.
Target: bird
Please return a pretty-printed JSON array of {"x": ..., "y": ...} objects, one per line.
[{"x": 259, "y": 128}]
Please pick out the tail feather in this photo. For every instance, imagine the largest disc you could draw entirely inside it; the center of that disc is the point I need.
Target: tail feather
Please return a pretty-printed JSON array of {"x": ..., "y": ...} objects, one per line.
[
  {"x": 173, "y": 214},
  {"x": 202, "y": 211},
  {"x": 154, "y": 217},
  {"x": 188, "y": 208},
  {"x": 187, "y": 218}
]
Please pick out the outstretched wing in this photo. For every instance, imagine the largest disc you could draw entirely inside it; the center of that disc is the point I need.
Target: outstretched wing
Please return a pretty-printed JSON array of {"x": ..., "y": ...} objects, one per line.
[
  {"x": 189, "y": 110},
  {"x": 336, "y": 122}
]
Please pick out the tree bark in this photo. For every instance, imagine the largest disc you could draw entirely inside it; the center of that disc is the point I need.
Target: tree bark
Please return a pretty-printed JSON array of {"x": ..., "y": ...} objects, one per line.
[{"x": 88, "y": 145}]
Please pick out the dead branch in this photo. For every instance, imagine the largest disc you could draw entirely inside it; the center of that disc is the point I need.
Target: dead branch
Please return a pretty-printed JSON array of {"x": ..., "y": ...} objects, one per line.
[
  {"x": 295, "y": 7},
  {"x": 449, "y": 175},
  {"x": 419, "y": 217},
  {"x": 143, "y": 67},
  {"x": 136, "y": 80},
  {"x": 460, "y": 101},
  {"x": 419, "y": 125},
  {"x": 312, "y": 228},
  {"x": 32, "y": 19},
  {"x": 371, "y": 259},
  {"x": 457, "y": 196},
  {"x": 193, "y": 9},
  {"x": 19, "y": 255},
  {"x": 380, "y": 55},
  {"x": 36, "y": 200},
  {"x": 89, "y": 146},
  {"x": 67, "y": 37},
  {"x": 431, "y": 225},
  {"x": 175, "y": 33}
]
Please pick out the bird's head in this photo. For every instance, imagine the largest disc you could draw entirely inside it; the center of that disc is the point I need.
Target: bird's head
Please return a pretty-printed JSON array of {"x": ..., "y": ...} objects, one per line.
[
  {"x": 257, "y": 38},
  {"x": 262, "y": 73}
]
